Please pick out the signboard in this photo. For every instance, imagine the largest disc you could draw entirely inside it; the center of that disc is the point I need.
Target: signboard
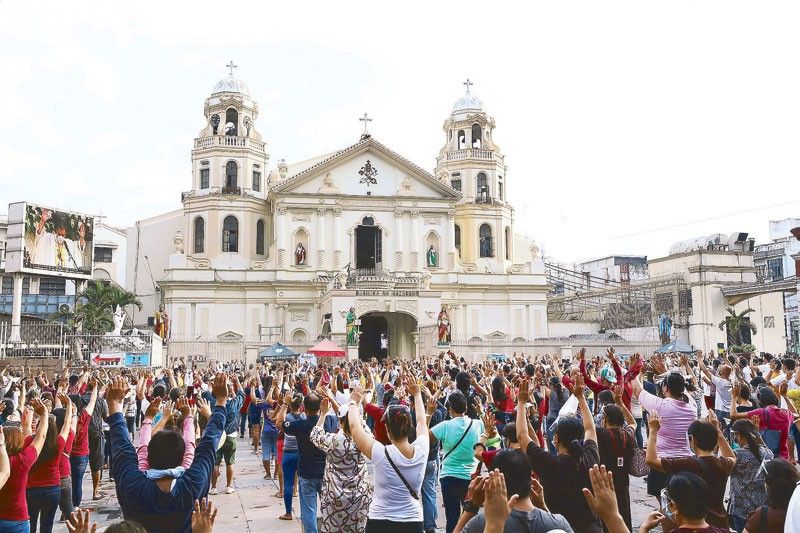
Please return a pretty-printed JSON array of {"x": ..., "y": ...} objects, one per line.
[
  {"x": 121, "y": 359},
  {"x": 49, "y": 242}
]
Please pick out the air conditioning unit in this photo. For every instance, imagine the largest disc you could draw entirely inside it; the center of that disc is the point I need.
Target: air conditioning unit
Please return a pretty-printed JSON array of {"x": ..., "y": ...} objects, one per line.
[
  {"x": 64, "y": 308},
  {"x": 737, "y": 242}
]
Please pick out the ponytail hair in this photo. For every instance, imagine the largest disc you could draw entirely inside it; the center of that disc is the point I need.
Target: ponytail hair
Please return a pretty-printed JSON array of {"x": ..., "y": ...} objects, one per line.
[
  {"x": 570, "y": 433},
  {"x": 747, "y": 429}
]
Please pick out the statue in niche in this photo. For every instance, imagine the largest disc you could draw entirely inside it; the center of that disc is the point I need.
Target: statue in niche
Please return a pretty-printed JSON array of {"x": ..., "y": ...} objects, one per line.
[
  {"x": 326, "y": 325},
  {"x": 433, "y": 259},
  {"x": 352, "y": 330},
  {"x": 248, "y": 123},
  {"x": 300, "y": 254},
  {"x": 443, "y": 322},
  {"x": 214, "y": 124}
]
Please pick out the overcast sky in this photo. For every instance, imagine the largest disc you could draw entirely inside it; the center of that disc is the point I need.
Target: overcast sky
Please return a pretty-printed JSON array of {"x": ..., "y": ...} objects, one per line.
[{"x": 627, "y": 126}]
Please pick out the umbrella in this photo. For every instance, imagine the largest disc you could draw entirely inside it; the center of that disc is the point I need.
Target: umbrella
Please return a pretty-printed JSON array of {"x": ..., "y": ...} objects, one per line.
[
  {"x": 676, "y": 347},
  {"x": 327, "y": 348},
  {"x": 276, "y": 351}
]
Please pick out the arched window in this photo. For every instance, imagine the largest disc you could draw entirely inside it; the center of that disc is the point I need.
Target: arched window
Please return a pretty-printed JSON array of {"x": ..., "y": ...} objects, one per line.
[
  {"x": 477, "y": 138},
  {"x": 231, "y": 121},
  {"x": 482, "y": 189},
  {"x": 199, "y": 235},
  {"x": 485, "y": 241},
  {"x": 230, "y": 234},
  {"x": 461, "y": 139},
  {"x": 368, "y": 221},
  {"x": 457, "y": 238},
  {"x": 508, "y": 243},
  {"x": 231, "y": 175},
  {"x": 260, "y": 237}
]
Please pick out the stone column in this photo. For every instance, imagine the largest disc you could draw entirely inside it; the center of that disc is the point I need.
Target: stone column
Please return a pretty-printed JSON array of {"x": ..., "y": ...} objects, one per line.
[
  {"x": 447, "y": 253},
  {"x": 398, "y": 240},
  {"x": 337, "y": 239},
  {"x": 415, "y": 242},
  {"x": 321, "y": 238}
]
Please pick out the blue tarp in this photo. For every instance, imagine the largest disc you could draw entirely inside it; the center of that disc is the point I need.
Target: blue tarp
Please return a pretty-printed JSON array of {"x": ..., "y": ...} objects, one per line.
[{"x": 676, "y": 347}]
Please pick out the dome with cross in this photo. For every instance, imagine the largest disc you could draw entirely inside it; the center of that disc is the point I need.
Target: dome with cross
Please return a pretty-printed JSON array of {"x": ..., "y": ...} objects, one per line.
[
  {"x": 231, "y": 84},
  {"x": 468, "y": 102}
]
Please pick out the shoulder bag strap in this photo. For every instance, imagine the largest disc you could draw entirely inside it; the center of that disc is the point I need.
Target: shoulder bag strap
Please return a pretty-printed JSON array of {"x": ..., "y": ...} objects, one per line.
[
  {"x": 397, "y": 471},
  {"x": 459, "y": 440}
]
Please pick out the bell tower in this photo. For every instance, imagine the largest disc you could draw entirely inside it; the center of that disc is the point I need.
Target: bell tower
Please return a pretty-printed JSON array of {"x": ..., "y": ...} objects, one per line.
[
  {"x": 471, "y": 163},
  {"x": 226, "y": 205}
]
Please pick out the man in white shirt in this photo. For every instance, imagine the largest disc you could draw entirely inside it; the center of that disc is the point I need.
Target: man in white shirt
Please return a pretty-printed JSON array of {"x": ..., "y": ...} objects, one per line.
[{"x": 722, "y": 401}]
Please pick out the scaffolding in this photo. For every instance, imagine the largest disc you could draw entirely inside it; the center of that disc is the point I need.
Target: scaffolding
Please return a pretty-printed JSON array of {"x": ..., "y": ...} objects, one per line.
[{"x": 615, "y": 304}]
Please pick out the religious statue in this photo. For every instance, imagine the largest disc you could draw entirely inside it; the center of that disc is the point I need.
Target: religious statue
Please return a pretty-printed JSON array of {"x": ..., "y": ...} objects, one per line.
[
  {"x": 162, "y": 323},
  {"x": 300, "y": 254},
  {"x": 432, "y": 257},
  {"x": 214, "y": 124},
  {"x": 326, "y": 326},
  {"x": 119, "y": 320},
  {"x": 352, "y": 330},
  {"x": 443, "y": 322},
  {"x": 664, "y": 328},
  {"x": 328, "y": 186}
]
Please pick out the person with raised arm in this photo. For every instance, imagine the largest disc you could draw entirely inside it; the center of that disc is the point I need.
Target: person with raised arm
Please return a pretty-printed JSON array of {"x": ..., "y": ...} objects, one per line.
[
  {"x": 396, "y": 506},
  {"x": 564, "y": 475},
  {"x": 22, "y": 455},
  {"x": 162, "y": 498},
  {"x": 79, "y": 456}
]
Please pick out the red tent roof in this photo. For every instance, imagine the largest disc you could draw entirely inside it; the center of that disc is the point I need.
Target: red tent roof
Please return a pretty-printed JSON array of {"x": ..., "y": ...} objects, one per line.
[{"x": 326, "y": 348}]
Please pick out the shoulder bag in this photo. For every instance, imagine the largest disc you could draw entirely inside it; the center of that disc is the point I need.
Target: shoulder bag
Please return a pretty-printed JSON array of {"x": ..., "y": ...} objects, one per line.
[{"x": 459, "y": 440}]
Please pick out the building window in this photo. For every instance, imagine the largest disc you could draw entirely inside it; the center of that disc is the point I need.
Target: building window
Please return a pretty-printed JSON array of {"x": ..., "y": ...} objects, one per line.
[
  {"x": 103, "y": 254},
  {"x": 500, "y": 190},
  {"x": 231, "y": 174},
  {"x": 508, "y": 244},
  {"x": 485, "y": 241},
  {"x": 769, "y": 321},
  {"x": 230, "y": 234},
  {"x": 476, "y": 136},
  {"x": 457, "y": 238},
  {"x": 775, "y": 268},
  {"x": 53, "y": 286},
  {"x": 204, "y": 178},
  {"x": 199, "y": 235},
  {"x": 260, "y": 237},
  {"x": 8, "y": 285},
  {"x": 482, "y": 190},
  {"x": 231, "y": 121},
  {"x": 256, "y": 181},
  {"x": 456, "y": 184}
]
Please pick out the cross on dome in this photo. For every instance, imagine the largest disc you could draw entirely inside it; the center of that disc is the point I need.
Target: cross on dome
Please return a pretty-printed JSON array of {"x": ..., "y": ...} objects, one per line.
[
  {"x": 232, "y": 66},
  {"x": 468, "y": 84},
  {"x": 366, "y": 120}
]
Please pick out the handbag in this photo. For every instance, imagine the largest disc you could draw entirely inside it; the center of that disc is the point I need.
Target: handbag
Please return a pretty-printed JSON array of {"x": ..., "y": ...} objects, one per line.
[
  {"x": 637, "y": 467},
  {"x": 771, "y": 437}
]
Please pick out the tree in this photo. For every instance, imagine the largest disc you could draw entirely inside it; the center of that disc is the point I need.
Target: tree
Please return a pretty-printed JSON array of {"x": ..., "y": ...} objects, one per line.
[
  {"x": 94, "y": 308},
  {"x": 737, "y": 323}
]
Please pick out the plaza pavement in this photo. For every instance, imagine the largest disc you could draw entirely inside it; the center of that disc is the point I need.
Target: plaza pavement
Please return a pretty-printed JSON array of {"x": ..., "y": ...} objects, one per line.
[{"x": 253, "y": 508}]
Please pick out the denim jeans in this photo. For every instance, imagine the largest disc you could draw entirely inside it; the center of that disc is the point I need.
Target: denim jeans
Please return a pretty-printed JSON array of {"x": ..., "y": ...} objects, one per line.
[
  {"x": 738, "y": 523},
  {"x": 795, "y": 434},
  {"x": 78, "y": 469},
  {"x": 639, "y": 437},
  {"x": 429, "y": 510},
  {"x": 721, "y": 415},
  {"x": 65, "y": 502},
  {"x": 242, "y": 423},
  {"x": 453, "y": 492},
  {"x": 309, "y": 490},
  {"x": 289, "y": 465},
  {"x": 42, "y": 506},
  {"x": 269, "y": 444},
  {"x": 12, "y": 526}
]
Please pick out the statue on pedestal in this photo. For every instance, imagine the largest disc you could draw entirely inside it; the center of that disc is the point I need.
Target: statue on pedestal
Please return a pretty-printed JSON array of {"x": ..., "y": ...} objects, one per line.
[
  {"x": 326, "y": 325},
  {"x": 177, "y": 240},
  {"x": 443, "y": 322},
  {"x": 352, "y": 330},
  {"x": 162, "y": 323},
  {"x": 433, "y": 259},
  {"x": 300, "y": 254}
]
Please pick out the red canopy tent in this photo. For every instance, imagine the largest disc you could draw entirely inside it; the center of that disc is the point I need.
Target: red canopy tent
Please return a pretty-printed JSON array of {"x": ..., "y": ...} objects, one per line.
[{"x": 327, "y": 349}]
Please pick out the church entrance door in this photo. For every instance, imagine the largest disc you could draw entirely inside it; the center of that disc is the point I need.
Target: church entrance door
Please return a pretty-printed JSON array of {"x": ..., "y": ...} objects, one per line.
[
  {"x": 374, "y": 337},
  {"x": 369, "y": 249}
]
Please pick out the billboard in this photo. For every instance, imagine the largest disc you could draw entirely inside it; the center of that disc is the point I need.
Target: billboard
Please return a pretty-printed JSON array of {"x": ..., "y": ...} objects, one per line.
[{"x": 49, "y": 242}]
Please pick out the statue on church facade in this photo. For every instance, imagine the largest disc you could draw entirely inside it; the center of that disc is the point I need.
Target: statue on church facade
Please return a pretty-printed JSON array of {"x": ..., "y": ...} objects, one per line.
[
  {"x": 433, "y": 260},
  {"x": 162, "y": 322},
  {"x": 352, "y": 333},
  {"x": 443, "y": 322},
  {"x": 300, "y": 254},
  {"x": 326, "y": 325}
]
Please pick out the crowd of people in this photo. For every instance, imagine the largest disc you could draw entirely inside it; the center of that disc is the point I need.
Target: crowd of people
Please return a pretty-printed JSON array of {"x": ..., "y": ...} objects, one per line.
[{"x": 533, "y": 443}]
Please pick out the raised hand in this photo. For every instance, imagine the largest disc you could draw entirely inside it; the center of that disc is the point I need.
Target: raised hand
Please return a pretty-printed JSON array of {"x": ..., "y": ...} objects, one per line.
[
  {"x": 203, "y": 516},
  {"x": 524, "y": 391},
  {"x": 116, "y": 390},
  {"x": 497, "y": 505},
  {"x": 413, "y": 387},
  {"x": 357, "y": 394},
  {"x": 183, "y": 406},
  {"x": 324, "y": 406},
  {"x": 654, "y": 421},
  {"x": 39, "y": 408},
  {"x": 220, "y": 387},
  {"x": 152, "y": 409},
  {"x": 203, "y": 407},
  {"x": 578, "y": 385},
  {"x": 604, "y": 500},
  {"x": 79, "y": 522}
]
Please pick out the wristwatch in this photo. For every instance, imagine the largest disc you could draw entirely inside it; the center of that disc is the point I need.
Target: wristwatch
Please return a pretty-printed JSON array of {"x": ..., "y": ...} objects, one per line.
[{"x": 470, "y": 507}]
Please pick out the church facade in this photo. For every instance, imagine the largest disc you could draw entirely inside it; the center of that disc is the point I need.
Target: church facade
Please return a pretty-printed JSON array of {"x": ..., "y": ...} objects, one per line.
[{"x": 358, "y": 240}]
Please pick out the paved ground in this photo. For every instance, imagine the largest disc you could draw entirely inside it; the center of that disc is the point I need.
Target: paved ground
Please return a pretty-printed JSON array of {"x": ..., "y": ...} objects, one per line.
[{"x": 252, "y": 508}]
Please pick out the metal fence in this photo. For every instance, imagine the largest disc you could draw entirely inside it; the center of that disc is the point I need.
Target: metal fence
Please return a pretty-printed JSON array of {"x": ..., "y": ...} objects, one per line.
[
  {"x": 35, "y": 340},
  {"x": 201, "y": 351},
  {"x": 477, "y": 351}
]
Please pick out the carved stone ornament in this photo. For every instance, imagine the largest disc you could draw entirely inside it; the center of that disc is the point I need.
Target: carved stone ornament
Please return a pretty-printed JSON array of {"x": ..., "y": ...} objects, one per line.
[
  {"x": 301, "y": 218},
  {"x": 177, "y": 240},
  {"x": 365, "y": 306},
  {"x": 299, "y": 316},
  {"x": 368, "y": 173},
  {"x": 328, "y": 186},
  {"x": 406, "y": 187},
  {"x": 409, "y": 306}
]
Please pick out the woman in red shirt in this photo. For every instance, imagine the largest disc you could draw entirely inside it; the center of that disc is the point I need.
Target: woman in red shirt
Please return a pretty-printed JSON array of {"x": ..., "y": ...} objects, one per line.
[
  {"x": 44, "y": 479},
  {"x": 13, "y": 506},
  {"x": 63, "y": 418},
  {"x": 79, "y": 456}
]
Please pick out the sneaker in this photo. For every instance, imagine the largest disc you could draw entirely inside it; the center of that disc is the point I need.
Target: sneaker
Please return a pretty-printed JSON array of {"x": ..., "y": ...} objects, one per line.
[
  {"x": 213, "y": 491},
  {"x": 229, "y": 490}
]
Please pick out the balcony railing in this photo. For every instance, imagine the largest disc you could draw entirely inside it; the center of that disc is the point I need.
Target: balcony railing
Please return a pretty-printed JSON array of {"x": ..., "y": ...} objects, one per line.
[
  {"x": 228, "y": 140},
  {"x": 471, "y": 153},
  {"x": 216, "y": 191},
  {"x": 231, "y": 190}
]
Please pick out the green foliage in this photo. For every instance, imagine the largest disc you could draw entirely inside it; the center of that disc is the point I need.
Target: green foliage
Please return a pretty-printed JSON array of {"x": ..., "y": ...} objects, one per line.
[
  {"x": 70, "y": 222},
  {"x": 736, "y": 323},
  {"x": 743, "y": 348},
  {"x": 94, "y": 309}
]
